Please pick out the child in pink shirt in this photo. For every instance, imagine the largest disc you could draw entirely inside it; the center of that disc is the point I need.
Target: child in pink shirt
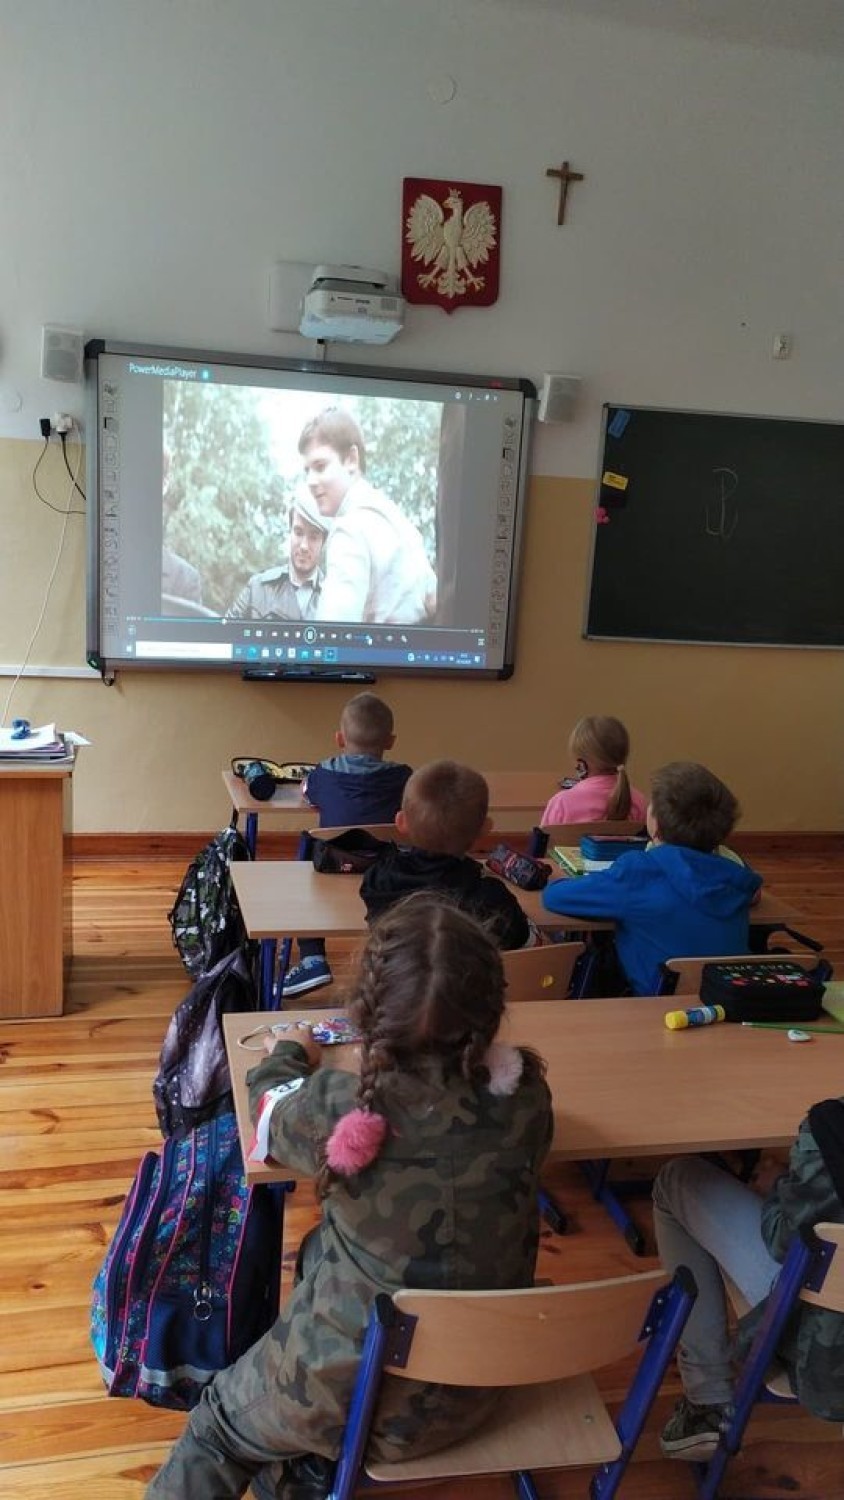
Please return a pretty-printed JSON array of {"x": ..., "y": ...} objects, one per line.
[{"x": 600, "y": 746}]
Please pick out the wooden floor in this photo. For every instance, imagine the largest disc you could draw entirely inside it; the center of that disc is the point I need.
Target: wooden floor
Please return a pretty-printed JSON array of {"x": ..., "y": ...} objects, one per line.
[{"x": 75, "y": 1115}]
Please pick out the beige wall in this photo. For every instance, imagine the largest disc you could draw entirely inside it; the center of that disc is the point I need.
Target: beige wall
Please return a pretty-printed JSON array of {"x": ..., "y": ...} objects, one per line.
[{"x": 769, "y": 721}]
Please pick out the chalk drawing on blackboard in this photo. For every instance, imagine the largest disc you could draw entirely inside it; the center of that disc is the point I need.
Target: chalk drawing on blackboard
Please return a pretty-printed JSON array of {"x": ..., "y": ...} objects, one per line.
[{"x": 721, "y": 514}]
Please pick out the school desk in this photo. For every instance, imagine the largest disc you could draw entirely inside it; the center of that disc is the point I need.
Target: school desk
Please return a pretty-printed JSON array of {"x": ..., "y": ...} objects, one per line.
[
  {"x": 282, "y": 898},
  {"x": 35, "y": 889},
  {"x": 510, "y": 792},
  {"x": 624, "y": 1086}
]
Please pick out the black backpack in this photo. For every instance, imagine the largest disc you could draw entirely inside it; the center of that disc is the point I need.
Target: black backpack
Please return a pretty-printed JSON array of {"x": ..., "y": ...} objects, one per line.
[
  {"x": 205, "y": 918},
  {"x": 193, "y": 1082}
]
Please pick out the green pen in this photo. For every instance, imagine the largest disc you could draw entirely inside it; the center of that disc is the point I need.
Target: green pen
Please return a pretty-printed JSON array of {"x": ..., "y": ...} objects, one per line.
[{"x": 794, "y": 1026}]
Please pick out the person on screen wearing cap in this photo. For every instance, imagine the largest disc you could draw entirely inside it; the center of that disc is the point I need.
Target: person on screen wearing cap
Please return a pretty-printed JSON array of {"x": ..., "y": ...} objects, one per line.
[{"x": 290, "y": 591}]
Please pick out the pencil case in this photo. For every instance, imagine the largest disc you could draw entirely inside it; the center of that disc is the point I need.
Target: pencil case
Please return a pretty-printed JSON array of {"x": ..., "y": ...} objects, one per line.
[
  {"x": 764, "y": 992},
  {"x": 520, "y": 869},
  {"x": 599, "y": 852}
]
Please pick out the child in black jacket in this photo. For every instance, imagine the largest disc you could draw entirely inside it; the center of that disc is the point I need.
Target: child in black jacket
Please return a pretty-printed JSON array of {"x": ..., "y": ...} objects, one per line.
[{"x": 444, "y": 810}]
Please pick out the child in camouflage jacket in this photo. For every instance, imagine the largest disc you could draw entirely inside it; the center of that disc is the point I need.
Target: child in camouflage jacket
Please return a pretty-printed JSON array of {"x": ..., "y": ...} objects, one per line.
[{"x": 427, "y": 1166}]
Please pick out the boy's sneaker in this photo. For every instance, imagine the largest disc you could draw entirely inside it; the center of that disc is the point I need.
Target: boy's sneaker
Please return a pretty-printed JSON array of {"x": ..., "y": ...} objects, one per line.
[
  {"x": 311, "y": 974},
  {"x": 692, "y": 1431}
]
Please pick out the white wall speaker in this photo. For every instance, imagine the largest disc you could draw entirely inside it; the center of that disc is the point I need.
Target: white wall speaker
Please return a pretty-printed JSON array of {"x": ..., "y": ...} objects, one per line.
[
  {"x": 62, "y": 352},
  {"x": 558, "y": 397}
]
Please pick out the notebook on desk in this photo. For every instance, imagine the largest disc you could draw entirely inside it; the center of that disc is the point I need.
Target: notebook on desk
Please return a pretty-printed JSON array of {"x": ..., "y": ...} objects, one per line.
[
  {"x": 833, "y": 999},
  {"x": 568, "y": 857}
]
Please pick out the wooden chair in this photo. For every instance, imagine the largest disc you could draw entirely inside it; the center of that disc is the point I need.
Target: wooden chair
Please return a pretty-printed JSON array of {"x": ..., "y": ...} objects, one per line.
[
  {"x": 541, "y": 973},
  {"x": 812, "y": 1272},
  {"x": 522, "y": 1341}
]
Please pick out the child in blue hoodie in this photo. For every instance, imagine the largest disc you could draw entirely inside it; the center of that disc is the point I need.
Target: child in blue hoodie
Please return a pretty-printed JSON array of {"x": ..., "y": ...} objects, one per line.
[
  {"x": 356, "y": 786},
  {"x": 679, "y": 897}
]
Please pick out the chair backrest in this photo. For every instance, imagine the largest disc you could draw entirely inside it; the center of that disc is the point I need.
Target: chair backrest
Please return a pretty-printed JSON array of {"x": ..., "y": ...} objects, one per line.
[
  {"x": 569, "y": 834},
  {"x": 541, "y": 973},
  {"x": 689, "y": 970},
  {"x": 831, "y": 1294},
  {"x": 527, "y": 1336}
]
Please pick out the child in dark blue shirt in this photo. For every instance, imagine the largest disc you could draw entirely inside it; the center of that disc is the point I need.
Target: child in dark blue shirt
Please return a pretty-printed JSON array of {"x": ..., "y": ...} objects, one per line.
[
  {"x": 355, "y": 786},
  {"x": 678, "y": 898}
]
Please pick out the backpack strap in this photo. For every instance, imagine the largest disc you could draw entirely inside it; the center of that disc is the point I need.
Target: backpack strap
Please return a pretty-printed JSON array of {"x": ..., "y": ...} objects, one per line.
[{"x": 826, "y": 1122}]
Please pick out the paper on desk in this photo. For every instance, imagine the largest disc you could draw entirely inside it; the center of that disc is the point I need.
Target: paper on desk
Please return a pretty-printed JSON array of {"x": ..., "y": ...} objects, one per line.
[
  {"x": 44, "y": 738},
  {"x": 72, "y": 737}
]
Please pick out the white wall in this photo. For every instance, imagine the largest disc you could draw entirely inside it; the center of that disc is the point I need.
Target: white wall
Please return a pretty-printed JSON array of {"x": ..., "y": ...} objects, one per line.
[{"x": 157, "y": 157}]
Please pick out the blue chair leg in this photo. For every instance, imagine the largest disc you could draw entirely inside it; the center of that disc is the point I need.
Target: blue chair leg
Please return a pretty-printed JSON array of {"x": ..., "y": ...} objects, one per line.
[
  {"x": 760, "y": 1355},
  {"x": 664, "y": 1324},
  {"x": 524, "y": 1485},
  {"x": 267, "y": 974},
  {"x": 271, "y": 975},
  {"x": 595, "y": 1173},
  {"x": 555, "y": 1217},
  {"x": 364, "y": 1397},
  {"x": 251, "y": 834}
]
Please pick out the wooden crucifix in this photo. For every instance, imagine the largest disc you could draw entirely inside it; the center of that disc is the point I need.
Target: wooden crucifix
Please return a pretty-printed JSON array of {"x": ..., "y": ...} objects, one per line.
[{"x": 566, "y": 177}]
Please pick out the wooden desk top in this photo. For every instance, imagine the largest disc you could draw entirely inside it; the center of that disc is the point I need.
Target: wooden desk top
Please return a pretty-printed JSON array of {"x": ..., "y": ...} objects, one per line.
[
  {"x": 768, "y": 909},
  {"x": 625, "y": 1086},
  {"x": 46, "y": 768},
  {"x": 283, "y": 897},
  {"x": 286, "y": 802},
  {"x": 509, "y": 791}
]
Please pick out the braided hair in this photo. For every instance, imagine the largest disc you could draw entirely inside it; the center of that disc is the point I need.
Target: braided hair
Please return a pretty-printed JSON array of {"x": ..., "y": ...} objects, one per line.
[{"x": 430, "y": 984}]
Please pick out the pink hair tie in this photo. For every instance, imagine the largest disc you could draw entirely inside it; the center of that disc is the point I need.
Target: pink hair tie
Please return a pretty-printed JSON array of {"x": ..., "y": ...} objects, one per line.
[{"x": 355, "y": 1141}]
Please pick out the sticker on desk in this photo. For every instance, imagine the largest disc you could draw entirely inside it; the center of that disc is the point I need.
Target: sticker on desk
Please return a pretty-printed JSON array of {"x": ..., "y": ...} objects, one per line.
[
  {"x": 619, "y": 422},
  {"x": 614, "y": 481},
  {"x": 335, "y": 1031}
]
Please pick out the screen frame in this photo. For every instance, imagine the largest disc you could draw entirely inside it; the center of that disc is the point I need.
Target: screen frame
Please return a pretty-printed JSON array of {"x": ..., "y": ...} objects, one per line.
[{"x": 363, "y": 671}]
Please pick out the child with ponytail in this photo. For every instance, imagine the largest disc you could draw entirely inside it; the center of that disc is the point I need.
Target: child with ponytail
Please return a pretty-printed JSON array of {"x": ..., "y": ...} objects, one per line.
[
  {"x": 599, "y": 745},
  {"x": 427, "y": 1166}
]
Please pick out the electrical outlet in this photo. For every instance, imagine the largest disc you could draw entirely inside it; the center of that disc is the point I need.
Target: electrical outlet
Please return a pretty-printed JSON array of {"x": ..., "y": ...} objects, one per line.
[
  {"x": 62, "y": 422},
  {"x": 782, "y": 346}
]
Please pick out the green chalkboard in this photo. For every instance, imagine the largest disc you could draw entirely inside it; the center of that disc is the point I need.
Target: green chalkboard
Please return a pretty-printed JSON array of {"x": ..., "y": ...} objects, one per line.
[{"x": 718, "y": 528}]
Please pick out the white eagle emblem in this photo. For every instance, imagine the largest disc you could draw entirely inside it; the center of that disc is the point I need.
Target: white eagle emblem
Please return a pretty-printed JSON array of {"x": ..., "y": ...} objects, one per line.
[{"x": 452, "y": 246}]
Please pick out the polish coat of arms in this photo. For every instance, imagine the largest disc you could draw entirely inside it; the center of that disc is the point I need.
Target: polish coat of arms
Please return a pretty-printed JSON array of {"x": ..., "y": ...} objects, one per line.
[{"x": 451, "y": 243}]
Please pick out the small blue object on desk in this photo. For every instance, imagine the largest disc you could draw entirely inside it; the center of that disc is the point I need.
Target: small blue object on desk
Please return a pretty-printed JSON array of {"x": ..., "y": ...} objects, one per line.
[{"x": 20, "y": 729}]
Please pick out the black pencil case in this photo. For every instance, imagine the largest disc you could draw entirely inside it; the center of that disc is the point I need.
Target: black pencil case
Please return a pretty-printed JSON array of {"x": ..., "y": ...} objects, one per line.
[{"x": 764, "y": 992}]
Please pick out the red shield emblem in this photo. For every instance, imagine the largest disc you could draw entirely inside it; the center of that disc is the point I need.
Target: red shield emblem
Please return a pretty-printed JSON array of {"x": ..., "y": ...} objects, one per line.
[{"x": 451, "y": 243}]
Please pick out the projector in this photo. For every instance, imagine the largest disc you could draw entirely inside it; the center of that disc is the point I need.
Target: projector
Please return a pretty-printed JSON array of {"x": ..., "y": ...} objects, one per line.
[{"x": 352, "y": 305}]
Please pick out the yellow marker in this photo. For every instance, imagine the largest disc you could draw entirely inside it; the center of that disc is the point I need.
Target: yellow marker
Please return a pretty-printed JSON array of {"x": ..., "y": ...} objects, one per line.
[{"x": 615, "y": 481}]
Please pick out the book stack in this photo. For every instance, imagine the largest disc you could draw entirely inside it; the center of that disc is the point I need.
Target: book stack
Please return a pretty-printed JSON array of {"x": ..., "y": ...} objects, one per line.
[
  {"x": 44, "y": 746},
  {"x": 569, "y": 858}
]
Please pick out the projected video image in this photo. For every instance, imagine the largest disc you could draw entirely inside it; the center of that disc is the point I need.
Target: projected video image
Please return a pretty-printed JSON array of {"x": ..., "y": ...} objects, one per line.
[{"x": 300, "y": 505}]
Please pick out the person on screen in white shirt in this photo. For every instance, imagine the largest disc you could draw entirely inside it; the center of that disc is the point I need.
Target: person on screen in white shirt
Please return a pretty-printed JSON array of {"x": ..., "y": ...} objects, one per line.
[{"x": 376, "y": 568}]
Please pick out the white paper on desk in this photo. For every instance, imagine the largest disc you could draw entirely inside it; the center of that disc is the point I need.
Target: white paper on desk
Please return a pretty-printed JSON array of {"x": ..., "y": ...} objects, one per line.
[
  {"x": 71, "y": 737},
  {"x": 44, "y": 738}
]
